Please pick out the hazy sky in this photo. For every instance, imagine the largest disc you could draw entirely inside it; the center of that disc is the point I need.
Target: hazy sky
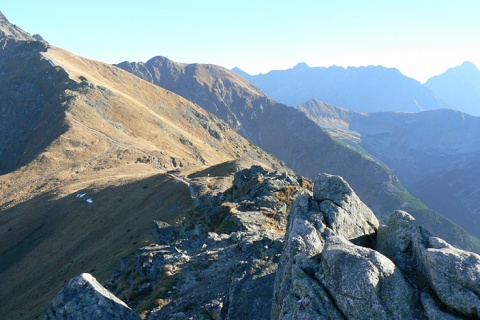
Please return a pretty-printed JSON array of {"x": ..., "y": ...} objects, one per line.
[{"x": 421, "y": 38}]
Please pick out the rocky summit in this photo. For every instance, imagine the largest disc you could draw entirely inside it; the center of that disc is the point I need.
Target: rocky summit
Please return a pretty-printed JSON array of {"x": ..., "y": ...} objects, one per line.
[{"x": 269, "y": 245}]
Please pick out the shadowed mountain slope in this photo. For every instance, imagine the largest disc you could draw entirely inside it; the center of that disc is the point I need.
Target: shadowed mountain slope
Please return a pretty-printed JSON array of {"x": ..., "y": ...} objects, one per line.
[
  {"x": 363, "y": 89},
  {"x": 288, "y": 134},
  {"x": 90, "y": 156},
  {"x": 434, "y": 153}
]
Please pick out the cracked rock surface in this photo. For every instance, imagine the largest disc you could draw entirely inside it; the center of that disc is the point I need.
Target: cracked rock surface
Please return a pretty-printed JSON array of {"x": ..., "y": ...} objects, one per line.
[{"x": 397, "y": 271}]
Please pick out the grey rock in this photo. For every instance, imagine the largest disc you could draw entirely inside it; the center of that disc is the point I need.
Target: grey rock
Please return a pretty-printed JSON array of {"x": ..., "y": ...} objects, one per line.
[
  {"x": 363, "y": 283},
  {"x": 296, "y": 294},
  {"x": 222, "y": 261},
  {"x": 323, "y": 275},
  {"x": 246, "y": 179},
  {"x": 85, "y": 298},
  {"x": 396, "y": 242},
  {"x": 454, "y": 276},
  {"x": 451, "y": 275},
  {"x": 431, "y": 309},
  {"x": 343, "y": 210},
  {"x": 162, "y": 232}
]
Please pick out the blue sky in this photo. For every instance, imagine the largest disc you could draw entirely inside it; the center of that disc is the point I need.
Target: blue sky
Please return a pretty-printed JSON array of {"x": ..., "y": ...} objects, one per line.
[{"x": 421, "y": 38}]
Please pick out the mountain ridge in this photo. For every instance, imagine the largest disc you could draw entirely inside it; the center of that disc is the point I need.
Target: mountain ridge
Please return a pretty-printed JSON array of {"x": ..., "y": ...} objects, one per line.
[
  {"x": 93, "y": 156},
  {"x": 287, "y": 133},
  {"x": 11, "y": 31},
  {"x": 113, "y": 152},
  {"x": 363, "y": 89}
]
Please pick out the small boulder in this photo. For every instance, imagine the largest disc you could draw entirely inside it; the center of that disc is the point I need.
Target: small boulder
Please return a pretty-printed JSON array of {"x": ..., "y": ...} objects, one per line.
[
  {"x": 85, "y": 298},
  {"x": 163, "y": 233},
  {"x": 454, "y": 275}
]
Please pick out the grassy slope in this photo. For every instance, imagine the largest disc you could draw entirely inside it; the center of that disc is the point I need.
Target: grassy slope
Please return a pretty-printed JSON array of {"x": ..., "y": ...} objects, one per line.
[
  {"x": 50, "y": 239},
  {"x": 120, "y": 136}
]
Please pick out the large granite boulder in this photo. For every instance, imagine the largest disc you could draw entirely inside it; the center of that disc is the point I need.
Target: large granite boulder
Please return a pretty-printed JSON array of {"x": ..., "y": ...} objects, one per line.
[
  {"x": 363, "y": 283},
  {"x": 323, "y": 274},
  {"x": 85, "y": 298}
]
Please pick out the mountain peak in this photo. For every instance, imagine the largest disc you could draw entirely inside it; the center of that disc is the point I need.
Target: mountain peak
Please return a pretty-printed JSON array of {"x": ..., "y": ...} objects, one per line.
[
  {"x": 2, "y": 17},
  {"x": 466, "y": 68},
  {"x": 10, "y": 31},
  {"x": 459, "y": 87},
  {"x": 301, "y": 65},
  {"x": 468, "y": 64},
  {"x": 240, "y": 72}
]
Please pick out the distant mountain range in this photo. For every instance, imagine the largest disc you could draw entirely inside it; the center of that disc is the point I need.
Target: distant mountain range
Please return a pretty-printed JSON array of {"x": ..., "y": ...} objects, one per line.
[
  {"x": 459, "y": 87},
  {"x": 362, "y": 89},
  {"x": 372, "y": 88}
]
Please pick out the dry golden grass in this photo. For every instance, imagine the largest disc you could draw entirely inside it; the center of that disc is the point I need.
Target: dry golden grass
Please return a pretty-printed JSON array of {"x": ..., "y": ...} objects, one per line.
[
  {"x": 120, "y": 136},
  {"x": 52, "y": 238}
]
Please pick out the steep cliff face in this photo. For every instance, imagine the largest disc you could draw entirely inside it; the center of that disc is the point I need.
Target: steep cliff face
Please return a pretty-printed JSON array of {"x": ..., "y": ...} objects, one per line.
[
  {"x": 26, "y": 124},
  {"x": 267, "y": 245}
]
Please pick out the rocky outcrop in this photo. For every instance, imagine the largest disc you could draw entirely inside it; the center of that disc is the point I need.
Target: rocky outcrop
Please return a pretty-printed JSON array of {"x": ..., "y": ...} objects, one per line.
[
  {"x": 323, "y": 274},
  {"x": 405, "y": 273},
  {"x": 85, "y": 298},
  {"x": 343, "y": 211},
  {"x": 11, "y": 31},
  {"x": 221, "y": 263},
  {"x": 31, "y": 97},
  {"x": 262, "y": 245}
]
